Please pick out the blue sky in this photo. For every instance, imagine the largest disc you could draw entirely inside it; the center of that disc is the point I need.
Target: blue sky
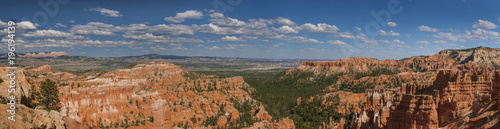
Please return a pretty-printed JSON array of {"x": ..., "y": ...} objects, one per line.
[{"x": 292, "y": 29}]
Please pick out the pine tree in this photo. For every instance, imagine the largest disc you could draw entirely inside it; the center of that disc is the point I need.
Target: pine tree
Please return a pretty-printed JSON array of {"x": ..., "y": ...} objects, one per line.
[{"x": 48, "y": 95}]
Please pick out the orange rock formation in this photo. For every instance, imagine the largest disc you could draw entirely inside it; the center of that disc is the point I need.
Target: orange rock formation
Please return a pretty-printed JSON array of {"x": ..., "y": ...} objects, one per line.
[{"x": 151, "y": 95}]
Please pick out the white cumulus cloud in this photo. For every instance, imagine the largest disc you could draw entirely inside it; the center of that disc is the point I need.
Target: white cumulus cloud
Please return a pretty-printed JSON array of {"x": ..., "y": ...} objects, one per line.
[
  {"x": 423, "y": 42},
  {"x": 232, "y": 39},
  {"x": 107, "y": 12},
  {"x": 484, "y": 24},
  {"x": 440, "y": 42},
  {"x": 284, "y": 21},
  {"x": 48, "y": 34},
  {"x": 392, "y": 24},
  {"x": 390, "y": 33},
  {"x": 320, "y": 28},
  {"x": 95, "y": 28},
  {"x": 301, "y": 39},
  {"x": 213, "y": 48},
  {"x": 25, "y": 25},
  {"x": 336, "y": 42},
  {"x": 181, "y": 17},
  {"x": 426, "y": 28},
  {"x": 60, "y": 25},
  {"x": 286, "y": 29},
  {"x": 345, "y": 35}
]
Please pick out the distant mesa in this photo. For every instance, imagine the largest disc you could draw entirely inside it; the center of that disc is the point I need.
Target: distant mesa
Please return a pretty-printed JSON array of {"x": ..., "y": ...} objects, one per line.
[{"x": 45, "y": 54}]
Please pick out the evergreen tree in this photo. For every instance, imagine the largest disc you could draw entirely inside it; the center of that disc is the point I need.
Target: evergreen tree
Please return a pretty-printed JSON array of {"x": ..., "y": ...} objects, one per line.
[{"x": 48, "y": 95}]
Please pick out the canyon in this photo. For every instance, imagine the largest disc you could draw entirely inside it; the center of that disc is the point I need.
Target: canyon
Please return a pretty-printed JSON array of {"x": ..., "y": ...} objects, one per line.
[
  {"x": 451, "y": 89},
  {"x": 148, "y": 95}
]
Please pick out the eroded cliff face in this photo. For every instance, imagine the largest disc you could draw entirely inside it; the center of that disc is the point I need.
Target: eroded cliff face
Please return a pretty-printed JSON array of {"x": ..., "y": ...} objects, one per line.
[
  {"x": 454, "y": 96},
  {"x": 473, "y": 58},
  {"x": 347, "y": 65},
  {"x": 373, "y": 73},
  {"x": 376, "y": 109},
  {"x": 153, "y": 95},
  {"x": 463, "y": 91},
  {"x": 385, "y": 81},
  {"x": 454, "y": 88},
  {"x": 413, "y": 112},
  {"x": 368, "y": 65}
]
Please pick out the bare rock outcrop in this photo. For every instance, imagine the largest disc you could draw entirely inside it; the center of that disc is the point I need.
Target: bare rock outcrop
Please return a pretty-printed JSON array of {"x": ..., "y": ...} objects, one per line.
[
  {"x": 413, "y": 112},
  {"x": 22, "y": 90},
  {"x": 32, "y": 118},
  {"x": 483, "y": 56},
  {"x": 284, "y": 123},
  {"x": 259, "y": 113},
  {"x": 454, "y": 95}
]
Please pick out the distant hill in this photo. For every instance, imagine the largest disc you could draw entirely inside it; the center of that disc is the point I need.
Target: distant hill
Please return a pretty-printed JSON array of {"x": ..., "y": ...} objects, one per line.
[
  {"x": 482, "y": 56},
  {"x": 62, "y": 60},
  {"x": 156, "y": 56},
  {"x": 38, "y": 54}
]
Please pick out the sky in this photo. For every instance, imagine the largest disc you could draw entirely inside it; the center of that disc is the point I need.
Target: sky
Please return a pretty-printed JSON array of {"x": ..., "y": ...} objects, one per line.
[{"x": 277, "y": 29}]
